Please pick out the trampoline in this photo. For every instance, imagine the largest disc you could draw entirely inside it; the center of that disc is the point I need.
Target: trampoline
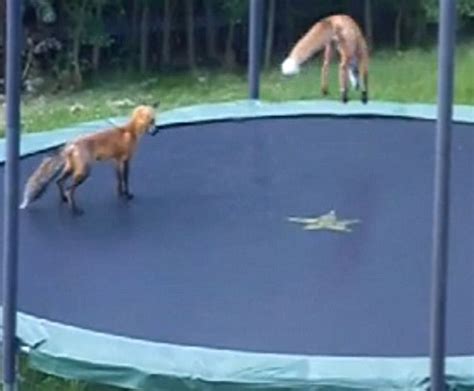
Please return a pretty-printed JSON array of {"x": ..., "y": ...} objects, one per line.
[{"x": 202, "y": 279}]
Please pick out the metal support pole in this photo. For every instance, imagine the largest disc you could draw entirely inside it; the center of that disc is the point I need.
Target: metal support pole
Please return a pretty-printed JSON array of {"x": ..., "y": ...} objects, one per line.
[
  {"x": 446, "y": 54},
  {"x": 10, "y": 239},
  {"x": 255, "y": 47}
]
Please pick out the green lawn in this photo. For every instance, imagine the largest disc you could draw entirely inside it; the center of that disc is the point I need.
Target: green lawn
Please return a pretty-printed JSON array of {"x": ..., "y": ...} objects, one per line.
[
  {"x": 404, "y": 77},
  {"x": 35, "y": 381}
]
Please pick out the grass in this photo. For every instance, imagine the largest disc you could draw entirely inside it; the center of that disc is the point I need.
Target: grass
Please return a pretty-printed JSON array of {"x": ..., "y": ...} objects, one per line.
[
  {"x": 409, "y": 76},
  {"x": 404, "y": 77},
  {"x": 30, "y": 380}
]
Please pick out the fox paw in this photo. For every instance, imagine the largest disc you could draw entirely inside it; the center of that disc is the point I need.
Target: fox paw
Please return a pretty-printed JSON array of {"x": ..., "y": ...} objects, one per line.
[
  {"x": 127, "y": 196},
  {"x": 364, "y": 97},
  {"x": 77, "y": 211}
]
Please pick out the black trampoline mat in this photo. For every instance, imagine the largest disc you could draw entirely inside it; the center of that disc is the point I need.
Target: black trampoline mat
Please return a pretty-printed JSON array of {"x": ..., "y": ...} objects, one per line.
[{"x": 204, "y": 254}]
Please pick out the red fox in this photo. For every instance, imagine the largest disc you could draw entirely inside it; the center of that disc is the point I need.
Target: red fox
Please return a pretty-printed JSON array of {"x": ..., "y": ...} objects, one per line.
[
  {"x": 76, "y": 157},
  {"x": 344, "y": 32}
]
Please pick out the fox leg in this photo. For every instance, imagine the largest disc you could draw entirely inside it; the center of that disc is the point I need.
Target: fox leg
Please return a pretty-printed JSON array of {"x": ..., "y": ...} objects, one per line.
[
  {"x": 120, "y": 185},
  {"x": 65, "y": 174},
  {"x": 126, "y": 174},
  {"x": 325, "y": 69},
  {"x": 123, "y": 170},
  {"x": 77, "y": 179},
  {"x": 343, "y": 72},
  {"x": 343, "y": 81},
  {"x": 364, "y": 74}
]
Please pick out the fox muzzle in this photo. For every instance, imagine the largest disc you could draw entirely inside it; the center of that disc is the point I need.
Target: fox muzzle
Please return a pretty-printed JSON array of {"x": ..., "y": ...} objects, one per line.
[{"x": 153, "y": 130}]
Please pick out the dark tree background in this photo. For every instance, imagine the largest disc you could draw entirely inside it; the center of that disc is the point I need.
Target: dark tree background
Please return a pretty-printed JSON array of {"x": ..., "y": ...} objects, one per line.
[{"x": 70, "y": 40}]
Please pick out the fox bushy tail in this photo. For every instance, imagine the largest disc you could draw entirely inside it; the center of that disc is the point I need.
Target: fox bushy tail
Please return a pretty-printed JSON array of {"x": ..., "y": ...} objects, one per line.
[
  {"x": 38, "y": 182},
  {"x": 317, "y": 37}
]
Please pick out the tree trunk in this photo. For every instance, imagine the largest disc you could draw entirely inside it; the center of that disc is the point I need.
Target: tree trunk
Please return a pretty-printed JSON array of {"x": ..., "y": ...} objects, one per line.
[
  {"x": 190, "y": 34},
  {"x": 134, "y": 36},
  {"x": 96, "y": 58},
  {"x": 29, "y": 57},
  {"x": 368, "y": 23},
  {"x": 76, "y": 66},
  {"x": 289, "y": 25},
  {"x": 96, "y": 49},
  {"x": 229, "y": 48},
  {"x": 166, "y": 44},
  {"x": 398, "y": 26},
  {"x": 144, "y": 36},
  {"x": 270, "y": 32},
  {"x": 211, "y": 44},
  {"x": 420, "y": 28},
  {"x": 76, "y": 45}
]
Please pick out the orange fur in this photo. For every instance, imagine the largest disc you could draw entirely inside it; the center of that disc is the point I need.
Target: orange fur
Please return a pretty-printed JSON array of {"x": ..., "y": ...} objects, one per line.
[
  {"x": 343, "y": 33},
  {"x": 76, "y": 158}
]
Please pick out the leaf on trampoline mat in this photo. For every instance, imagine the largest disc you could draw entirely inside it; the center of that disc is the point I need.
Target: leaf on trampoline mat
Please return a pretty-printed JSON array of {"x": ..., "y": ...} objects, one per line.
[{"x": 328, "y": 221}]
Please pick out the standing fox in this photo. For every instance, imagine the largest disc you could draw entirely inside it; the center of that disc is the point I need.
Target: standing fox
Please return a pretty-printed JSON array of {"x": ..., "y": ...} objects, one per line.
[
  {"x": 344, "y": 32},
  {"x": 76, "y": 157}
]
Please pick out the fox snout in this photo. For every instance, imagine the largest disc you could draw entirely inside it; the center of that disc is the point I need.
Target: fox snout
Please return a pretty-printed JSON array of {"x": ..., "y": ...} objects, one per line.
[{"x": 154, "y": 130}]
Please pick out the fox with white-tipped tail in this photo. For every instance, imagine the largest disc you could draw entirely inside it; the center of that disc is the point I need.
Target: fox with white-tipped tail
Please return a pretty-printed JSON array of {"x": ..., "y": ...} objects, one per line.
[{"x": 344, "y": 33}]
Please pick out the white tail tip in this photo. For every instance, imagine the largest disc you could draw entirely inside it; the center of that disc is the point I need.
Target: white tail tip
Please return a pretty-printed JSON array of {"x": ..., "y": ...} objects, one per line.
[
  {"x": 24, "y": 204},
  {"x": 289, "y": 67},
  {"x": 353, "y": 79}
]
